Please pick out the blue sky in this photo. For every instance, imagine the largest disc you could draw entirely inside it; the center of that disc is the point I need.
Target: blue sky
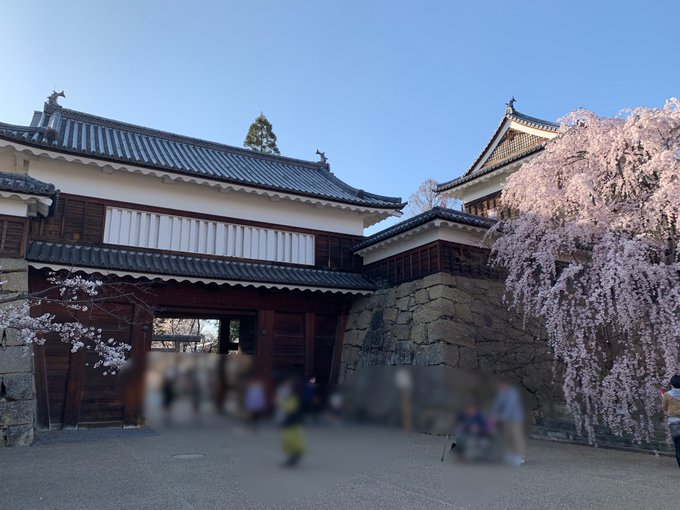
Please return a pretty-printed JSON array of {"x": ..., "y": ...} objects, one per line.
[{"x": 393, "y": 92}]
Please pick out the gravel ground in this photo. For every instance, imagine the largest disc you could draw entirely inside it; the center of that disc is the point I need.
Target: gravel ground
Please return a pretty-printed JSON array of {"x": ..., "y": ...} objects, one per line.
[{"x": 222, "y": 465}]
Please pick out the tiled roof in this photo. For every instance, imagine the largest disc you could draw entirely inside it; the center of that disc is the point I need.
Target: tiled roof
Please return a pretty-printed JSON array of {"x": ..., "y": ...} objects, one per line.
[
  {"x": 164, "y": 264},
  {"x": 530, "y": 146},
  {"x": 68, "y": 131},
  {"x": 433, "y": 214},
  {"x": 22, "y": 183},
  {"x": 488, "y": 169},
  {"x": 533, "y": 121}
]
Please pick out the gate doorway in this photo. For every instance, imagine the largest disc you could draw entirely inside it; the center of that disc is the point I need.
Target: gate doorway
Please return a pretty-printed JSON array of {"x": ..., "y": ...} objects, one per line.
[{"x": 210, "y": 334}]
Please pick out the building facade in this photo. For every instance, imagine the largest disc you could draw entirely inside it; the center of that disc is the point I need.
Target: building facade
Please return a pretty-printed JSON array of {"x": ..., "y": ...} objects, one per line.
[{"x": 199, "y": 229}]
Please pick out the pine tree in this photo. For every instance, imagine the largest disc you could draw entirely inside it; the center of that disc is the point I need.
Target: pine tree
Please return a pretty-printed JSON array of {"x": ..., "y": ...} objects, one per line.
[{"x": 261, "y": 137}]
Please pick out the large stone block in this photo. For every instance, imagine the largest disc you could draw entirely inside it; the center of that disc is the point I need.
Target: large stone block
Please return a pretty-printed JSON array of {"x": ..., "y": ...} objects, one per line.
[
  {"x": 401, "y": 331},
  {"x": 404, "y": 303},
  {"x": 439, "y": 279},
  {"x": 354, "y": 337},
  {"x": 390, "y": 314},
  {"x": 419, "y": 334},
  {"x": 364, "y": 319},
  {"x": 350, "y": 355},
  {"x": 19, "y": 435},
  {"x": 10, "y": 337},
  {"x": 15, "y": 359},
  {"x": 17, "y": 413},
  {"x": 463, "y": 296},
  {"x": 352, "y": 319},
  {"x": 405, "y": 318},
  {"x": 389, "y": 298},
  {"x": 441, "y": 292},
  {"x": 405, "y": 289},
  {"x": 422, "y": 297},
  {"x": 462, "y": 312},
  {"x": 468, "y": 358},
  {"x": 452, "y": 332},
  {"x": 18, "y": 386},
  {"x": 450, "y": 355},
  {"x": 14, "y": 274},
  {"x": 435, "y": 310},
  {"x": 429, "y": 354}
]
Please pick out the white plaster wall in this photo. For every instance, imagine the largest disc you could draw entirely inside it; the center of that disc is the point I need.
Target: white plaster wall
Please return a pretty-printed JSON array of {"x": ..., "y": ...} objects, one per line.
[
  {"x": 90, "y": 181},
  {"x": 443, "y": 232},
  {"x": 128, "y": 227},
  {"x": 13, "y": 207},
  {"x": 479, "y": 188}
]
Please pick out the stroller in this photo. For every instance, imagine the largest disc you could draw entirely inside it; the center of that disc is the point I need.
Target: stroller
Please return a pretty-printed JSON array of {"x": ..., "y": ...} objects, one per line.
[{"x": 477, "y": 441}]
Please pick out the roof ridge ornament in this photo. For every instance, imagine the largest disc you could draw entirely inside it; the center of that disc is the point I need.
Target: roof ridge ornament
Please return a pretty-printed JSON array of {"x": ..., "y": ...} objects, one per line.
[
  {"x": 52, "y": 98},
  {"x": 510, "y": 106},
  {"x": 323, "y": 160}
]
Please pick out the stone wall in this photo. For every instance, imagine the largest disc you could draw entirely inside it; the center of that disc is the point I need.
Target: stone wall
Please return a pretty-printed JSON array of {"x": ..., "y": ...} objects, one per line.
[
  {"x": 448, "y": 320},
  {"x": 17, "y": 386},
  {"x": 461, "y": 322},
  {"x": 454, "y": 321}
]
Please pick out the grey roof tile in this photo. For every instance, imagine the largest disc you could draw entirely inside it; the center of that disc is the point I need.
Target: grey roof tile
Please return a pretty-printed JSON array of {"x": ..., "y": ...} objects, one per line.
[
  {"x": 433, "y": 214},
  {"x": 74, "y": 132},
  {"x": 97, "y": 257},
  {"x": 22, "y": 183}
]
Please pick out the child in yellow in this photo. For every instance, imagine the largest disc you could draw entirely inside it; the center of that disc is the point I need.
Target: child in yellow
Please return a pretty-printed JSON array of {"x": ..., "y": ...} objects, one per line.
[{"x": 291, "y": 411}]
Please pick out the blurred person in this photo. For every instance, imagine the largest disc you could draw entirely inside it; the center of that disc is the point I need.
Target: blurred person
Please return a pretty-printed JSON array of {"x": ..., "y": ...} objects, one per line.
[
  {"x": 404, "y": 382},
  {"x": 255, "y": 402},
  {"x": 508, "y": 413},
  {"x": 311, "y": 400},
  {"x": 169, "y": 392},
  {"x": 195, "y": 390},
  {"x": 335, "y": 406},
  {"x": 221, "y": 384},
  {"x": 474, "y": 435},
  {"x": 292, "y": 438},
  {"x": 670, "y": 404}
]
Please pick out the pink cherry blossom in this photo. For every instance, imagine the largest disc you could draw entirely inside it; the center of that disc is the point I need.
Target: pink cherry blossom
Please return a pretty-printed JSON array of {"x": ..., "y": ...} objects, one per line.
[
  {"x": 75, "y": 294},
  {"x": 594, "y": 254}
]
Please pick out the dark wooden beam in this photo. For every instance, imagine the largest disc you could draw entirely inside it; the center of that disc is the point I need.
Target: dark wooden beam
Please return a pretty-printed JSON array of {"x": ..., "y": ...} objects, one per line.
[
  {"x": 41, "y": 389},
  {"x": 74, "y": 389},
  {"x": 309, "y": 344}
]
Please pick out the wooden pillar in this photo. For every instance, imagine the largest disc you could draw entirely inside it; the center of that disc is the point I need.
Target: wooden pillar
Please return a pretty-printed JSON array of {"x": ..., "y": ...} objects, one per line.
[
  {"x": 74, "y": 389},
  {"x": 309, "y": 344},
  {"x": 41, "y": 391},
  {"x": 263, "y": 347},
  {"x": 134, "y": 377}
]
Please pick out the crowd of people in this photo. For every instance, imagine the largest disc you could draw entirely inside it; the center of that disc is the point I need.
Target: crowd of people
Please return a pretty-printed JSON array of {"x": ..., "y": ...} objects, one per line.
[
  {"x": 234, "y": 389},
  {"x": 497, "y": 435},
  {"x": 494, "y": 433}
]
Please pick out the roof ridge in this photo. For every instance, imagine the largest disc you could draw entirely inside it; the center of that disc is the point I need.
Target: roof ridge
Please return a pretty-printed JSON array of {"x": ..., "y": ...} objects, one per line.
[
  {"x": 553, "y": 126},
  {"x": 362, "y": 193},
  {"x": 422, "y": 218},
  {"x": 75, "y": 132},
  {"x": 201, "y": 142}
]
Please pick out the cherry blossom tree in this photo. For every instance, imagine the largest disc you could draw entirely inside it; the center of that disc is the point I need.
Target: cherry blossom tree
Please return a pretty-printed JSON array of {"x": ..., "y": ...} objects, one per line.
[
  {"x": 594, "y": 255},
  {"x": 425, "y": 198},
  {"x": 76, "y": 296}
]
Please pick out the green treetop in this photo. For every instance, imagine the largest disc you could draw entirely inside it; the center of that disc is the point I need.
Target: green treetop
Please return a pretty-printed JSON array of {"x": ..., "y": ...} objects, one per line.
[{"x": 261, "y": 137}]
